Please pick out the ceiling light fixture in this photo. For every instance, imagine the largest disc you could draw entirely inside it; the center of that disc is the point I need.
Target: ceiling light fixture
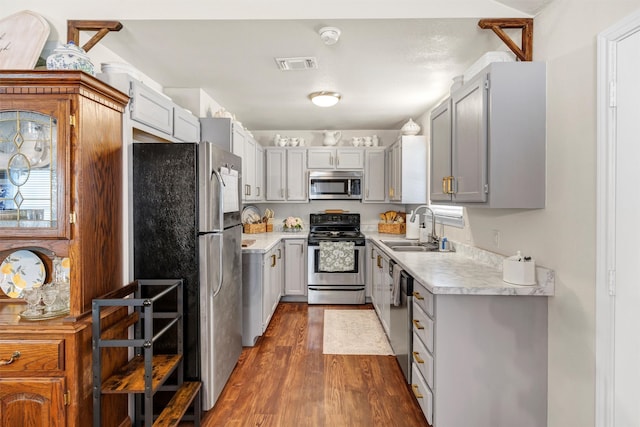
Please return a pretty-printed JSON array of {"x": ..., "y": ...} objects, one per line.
[
  {"x": 329, "y": 35},
  {"x": 325, "y": 98}
]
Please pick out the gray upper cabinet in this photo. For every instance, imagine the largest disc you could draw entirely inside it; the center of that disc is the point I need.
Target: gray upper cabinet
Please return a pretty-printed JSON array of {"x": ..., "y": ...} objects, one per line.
[
  {"x": 374, "y": 176},
  {"x": 152, "y": 112},
  {"x": 285, "y": 176},
  {"x": 440, "y": 151},
  {"x": 407, "y": 170},
  {"x": 186, "y": 126},
  {"x": 151, "y": 108},
  {"x": 488, "y": 140}
]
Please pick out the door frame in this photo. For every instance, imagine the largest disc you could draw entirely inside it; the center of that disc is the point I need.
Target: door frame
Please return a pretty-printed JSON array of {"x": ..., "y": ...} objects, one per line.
[{"x": 605, "y": 220}]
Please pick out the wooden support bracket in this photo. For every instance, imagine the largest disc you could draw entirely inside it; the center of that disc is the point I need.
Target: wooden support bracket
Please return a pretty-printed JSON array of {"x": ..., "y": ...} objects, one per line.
[
  {"x": 102, "y": 27},
  {"x": 525, "y": 24}
]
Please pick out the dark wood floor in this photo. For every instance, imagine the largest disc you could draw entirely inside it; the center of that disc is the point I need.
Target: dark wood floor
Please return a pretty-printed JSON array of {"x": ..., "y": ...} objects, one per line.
[{"x": 285, "y": 380}]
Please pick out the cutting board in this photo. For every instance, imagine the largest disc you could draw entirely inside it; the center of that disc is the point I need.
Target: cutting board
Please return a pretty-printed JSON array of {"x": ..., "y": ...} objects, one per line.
[{"x": 22, "y": 37}]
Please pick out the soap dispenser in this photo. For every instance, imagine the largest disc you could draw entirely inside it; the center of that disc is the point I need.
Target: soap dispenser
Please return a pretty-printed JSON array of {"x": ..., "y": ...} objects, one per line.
[{"x": 423, "y": 234}]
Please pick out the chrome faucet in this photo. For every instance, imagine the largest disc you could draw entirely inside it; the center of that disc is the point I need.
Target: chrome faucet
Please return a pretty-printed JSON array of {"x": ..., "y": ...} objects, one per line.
[{"x": 433, "y": 236}]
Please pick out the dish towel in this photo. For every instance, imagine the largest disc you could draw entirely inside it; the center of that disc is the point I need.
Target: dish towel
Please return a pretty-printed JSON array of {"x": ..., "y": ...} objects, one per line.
[
  {"x": 395, "y": 288},
  {"x": 337, "y": 256}
]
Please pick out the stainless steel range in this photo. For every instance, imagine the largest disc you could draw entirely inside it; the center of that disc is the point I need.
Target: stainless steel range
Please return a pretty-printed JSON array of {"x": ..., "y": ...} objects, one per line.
[{"x": 336, "y": 250}]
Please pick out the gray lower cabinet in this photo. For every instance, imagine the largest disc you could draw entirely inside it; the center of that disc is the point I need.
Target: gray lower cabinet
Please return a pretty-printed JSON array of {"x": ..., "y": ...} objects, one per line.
[
  {"x": 381, "y": 288},
  {"x": 295, "y": 283},
  {"x": 488, "y": 139},
  {"x": 480, "y": 360},
  {"x": 262, "y": 275}
]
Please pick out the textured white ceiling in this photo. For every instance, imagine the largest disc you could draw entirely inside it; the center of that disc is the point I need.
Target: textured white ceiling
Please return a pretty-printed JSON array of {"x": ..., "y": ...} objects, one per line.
[{"x": 386, "y": 69}]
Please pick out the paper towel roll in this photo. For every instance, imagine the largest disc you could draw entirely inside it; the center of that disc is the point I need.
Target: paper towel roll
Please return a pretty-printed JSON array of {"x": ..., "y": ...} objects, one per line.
[{"x": 412, "y": 227}]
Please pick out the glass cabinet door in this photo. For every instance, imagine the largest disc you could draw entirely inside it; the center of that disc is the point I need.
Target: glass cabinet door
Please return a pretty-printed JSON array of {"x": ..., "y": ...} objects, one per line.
[{"x": 29, "y": 174}]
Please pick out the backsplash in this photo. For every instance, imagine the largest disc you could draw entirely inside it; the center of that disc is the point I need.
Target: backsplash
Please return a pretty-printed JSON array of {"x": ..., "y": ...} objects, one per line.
[{"x": 369, "y": 212}]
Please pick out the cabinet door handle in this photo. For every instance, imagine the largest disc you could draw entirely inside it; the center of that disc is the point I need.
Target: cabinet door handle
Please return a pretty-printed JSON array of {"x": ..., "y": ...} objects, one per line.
[
  {"x": 417, "y": 324},
  {"x": 417, "y": 358},
  {"x": 279, "y": 254},
  {"x": 417, "y": 295},
  {"x": 337, "y": 161},
  {"x": 450, "y": 184},
  {"x": 14, "y": 356},
  {"x": 379, "y": 261},
  {"x": 258, "y": 191},
  {"x": 444, "y": 184},
  {"x": 372, "y": 253},
  {"x": 273, "y": 260},
  {"x": 416, "y": 393}
]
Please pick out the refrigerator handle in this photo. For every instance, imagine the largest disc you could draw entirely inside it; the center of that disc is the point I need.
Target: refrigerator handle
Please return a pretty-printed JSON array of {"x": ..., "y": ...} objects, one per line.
[
  {"x": 220, "y": 198},
  {"x": 220, "y": 266}
]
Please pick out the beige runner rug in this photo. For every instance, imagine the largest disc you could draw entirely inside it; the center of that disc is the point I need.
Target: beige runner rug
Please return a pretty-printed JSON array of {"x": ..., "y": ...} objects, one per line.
[{"x": 354, "y": 332}]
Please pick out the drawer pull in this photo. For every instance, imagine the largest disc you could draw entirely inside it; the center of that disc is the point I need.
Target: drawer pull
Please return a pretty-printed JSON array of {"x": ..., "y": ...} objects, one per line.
[
  {"x": 14, "y": 356},
  {"x": 416, "y": 392},
  {"x": 416, "y": 357},
  {"x": 417, "y": 324},
  {"x": 417, "y": 295}
]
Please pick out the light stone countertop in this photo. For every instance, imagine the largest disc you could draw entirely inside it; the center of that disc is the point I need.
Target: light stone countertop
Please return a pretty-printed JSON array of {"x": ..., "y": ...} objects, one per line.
[
  {"x": 265, "y": 241},
  {"x": 467, "y": 271}
]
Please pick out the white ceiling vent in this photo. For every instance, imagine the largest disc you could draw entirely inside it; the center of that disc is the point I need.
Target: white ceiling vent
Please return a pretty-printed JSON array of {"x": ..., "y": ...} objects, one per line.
[{"x": 299, "y": 63}]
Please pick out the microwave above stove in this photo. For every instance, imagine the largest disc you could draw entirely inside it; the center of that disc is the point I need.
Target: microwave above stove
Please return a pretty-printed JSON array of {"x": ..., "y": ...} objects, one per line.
[{"x": 335, "y": 185}]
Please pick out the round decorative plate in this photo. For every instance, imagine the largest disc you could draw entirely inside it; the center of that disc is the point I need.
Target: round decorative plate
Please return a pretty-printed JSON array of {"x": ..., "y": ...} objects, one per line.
[
  {"x": 248, "y": 212},
  {"x": 19, "y": 271}
]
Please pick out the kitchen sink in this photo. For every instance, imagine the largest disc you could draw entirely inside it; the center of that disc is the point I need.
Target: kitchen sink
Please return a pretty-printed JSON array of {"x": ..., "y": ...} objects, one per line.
[
  {"x": 400, "y": 242},
  {"x": 414, "y": 248},
  {"x": 410, "y": 246}
]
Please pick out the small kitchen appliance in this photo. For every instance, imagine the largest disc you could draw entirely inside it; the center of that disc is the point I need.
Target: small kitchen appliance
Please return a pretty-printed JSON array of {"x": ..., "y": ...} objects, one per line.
[
  {"x": 335, "y": 185},
  {"x": 336, "y": 250}
]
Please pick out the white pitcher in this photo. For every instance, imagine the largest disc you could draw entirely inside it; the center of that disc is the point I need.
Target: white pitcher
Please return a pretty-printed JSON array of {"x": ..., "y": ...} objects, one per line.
[{"x": 331, "y": 138}]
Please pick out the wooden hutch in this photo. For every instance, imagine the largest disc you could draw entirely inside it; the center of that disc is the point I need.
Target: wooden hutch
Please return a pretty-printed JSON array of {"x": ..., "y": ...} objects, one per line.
[{"x": 78, "y": 215}]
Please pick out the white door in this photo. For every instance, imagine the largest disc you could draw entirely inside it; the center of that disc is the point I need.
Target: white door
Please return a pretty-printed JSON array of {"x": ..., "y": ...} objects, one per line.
[
  {"x": 618, "y": 284},
  {"x": 627, "y": 251}
]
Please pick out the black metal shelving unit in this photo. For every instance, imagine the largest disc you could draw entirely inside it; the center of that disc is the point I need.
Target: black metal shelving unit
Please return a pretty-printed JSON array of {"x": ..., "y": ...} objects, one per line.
[{"x": 148, "y": 318}]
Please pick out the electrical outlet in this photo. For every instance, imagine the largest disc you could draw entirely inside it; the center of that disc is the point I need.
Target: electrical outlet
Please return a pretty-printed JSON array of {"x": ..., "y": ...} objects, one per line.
[{"x": 496, "y": 238}]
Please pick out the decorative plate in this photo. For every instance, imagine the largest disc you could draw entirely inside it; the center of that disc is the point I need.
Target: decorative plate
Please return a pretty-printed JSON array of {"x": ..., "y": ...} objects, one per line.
[
  {"x": 19, "y": 271},
  {"x": 249, "y": 213}
]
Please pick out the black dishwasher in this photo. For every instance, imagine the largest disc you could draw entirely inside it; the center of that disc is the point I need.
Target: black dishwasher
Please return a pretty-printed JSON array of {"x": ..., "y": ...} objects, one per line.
[{"x": 400, "y": 321}]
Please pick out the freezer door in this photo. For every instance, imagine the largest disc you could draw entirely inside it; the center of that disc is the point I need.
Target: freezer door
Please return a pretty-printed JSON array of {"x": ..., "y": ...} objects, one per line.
[{"x": 221, "y": 309}]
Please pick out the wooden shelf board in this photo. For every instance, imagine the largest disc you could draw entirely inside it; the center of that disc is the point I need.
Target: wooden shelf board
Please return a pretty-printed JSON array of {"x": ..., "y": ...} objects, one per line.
[{"x": 130, "y": 379}]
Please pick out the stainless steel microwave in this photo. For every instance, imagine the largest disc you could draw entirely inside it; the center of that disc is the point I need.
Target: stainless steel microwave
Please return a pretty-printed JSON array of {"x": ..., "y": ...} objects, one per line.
[{"x": 335, "y": 185}]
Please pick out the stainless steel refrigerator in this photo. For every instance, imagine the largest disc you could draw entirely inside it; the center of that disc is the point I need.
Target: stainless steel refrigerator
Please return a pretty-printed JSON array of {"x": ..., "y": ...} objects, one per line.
[{"x": 187, "y": 224}]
